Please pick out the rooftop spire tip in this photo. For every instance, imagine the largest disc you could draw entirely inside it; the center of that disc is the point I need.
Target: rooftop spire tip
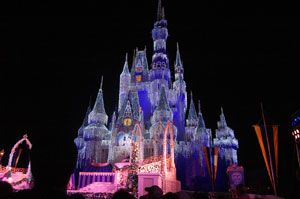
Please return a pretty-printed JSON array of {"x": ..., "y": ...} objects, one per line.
[{"x": 101, "y": 82}]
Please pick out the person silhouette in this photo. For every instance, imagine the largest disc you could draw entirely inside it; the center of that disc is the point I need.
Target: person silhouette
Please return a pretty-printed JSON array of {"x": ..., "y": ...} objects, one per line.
[
  {"x": 122, "y": 194},
  {"x": 6, "y": 190},
  {"x": 52, "y": 163}
]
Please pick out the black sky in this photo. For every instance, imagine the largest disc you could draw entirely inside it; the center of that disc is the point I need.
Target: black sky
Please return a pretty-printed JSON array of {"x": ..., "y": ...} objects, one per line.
[{"x": 236, "y": 54}]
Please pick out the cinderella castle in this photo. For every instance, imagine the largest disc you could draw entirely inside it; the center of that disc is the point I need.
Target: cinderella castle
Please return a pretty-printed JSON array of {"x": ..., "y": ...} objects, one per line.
[{"x": 151, "y": 97}]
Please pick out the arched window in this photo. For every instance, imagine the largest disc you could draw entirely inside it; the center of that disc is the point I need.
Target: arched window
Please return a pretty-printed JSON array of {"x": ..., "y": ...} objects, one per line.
[
  {"x": 158, "y": 64},
  {"x": 139, "y": 70}
]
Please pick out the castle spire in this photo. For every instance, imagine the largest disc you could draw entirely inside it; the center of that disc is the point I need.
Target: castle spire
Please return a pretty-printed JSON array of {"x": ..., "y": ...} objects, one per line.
[
  {"x": 201, "y": 123},
  {"x": 192, "y": 112},
  {"x": 160, "y": 11},
  {"x": 133, "y": 67},
  {"x": 163, "y": 102},
  {"x": 98, "y": 114},
  {"x": 101, "y": 83},
  {"x": 178, "y": 59},
  {"x": 85, "y": 121},
  {"x": 99, "y": 104},
  {"x": 222, "y": 123},
  {"x": 125, "y": 68}
]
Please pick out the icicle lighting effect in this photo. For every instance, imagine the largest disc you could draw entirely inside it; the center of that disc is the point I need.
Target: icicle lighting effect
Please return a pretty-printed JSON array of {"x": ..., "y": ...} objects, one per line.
[{"x": 152, "y": 98}]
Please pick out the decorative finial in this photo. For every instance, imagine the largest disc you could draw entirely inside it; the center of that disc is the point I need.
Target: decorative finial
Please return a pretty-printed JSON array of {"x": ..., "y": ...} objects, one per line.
[
  {"x": 133, "y": 57},
  {"x": 222, "y": 110},
  {"x": 126, "y": 57},
  {"x": 159, "y": 10},
  {"x": 199, "y": 106},
  {"x": 177, "y": 46},
  {"x": 191, "y": 95},
  {"x": 163, "y": 13},
  {"x": 101, "y": 82}
]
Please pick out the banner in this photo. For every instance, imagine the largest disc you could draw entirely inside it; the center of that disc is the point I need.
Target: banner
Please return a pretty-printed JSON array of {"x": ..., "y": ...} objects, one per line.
[
  {"x": 269, "y": 148},
  {"x": 215, "y": 162},
  {"x": 236, "y": 176},
  {"x": 211, "y": 157},
  {"x": 207, "y": 161},
  {"x": 275, "y": 136}
]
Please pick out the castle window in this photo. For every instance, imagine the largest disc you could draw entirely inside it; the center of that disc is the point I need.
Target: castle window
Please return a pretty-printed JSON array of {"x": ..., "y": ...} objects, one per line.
[
  {"x": 138, "y": 78},
  {"x": 158, "y": 64},
  {"x": 139, "y": 70}
]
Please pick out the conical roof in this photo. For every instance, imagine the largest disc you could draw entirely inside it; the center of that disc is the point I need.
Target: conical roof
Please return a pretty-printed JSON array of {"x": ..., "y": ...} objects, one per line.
[
  {"x": 125, "y": 68},
  {"x": 160, "y": 11},
  {"x": 98, "y": 114},
  {"x": 86, "y": 117},
  {"x": 192, "y": 111},
  {"x": 133, "y": 68},
  {"x": 222, "y": 123},
  {"x": 178, "y": 59},
  {"x": 85, "y": 121},
  {"x": 163, "y": 102},
  {"x": 201, "y": 123},
  {"x": 99, "y": 104}
]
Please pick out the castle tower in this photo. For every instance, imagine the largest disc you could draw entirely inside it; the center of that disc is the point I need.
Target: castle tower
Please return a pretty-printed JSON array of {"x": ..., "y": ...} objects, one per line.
[
  {"x": 162, "y": 112},
  {"x": 96, "y": 131},
  {"x": 123, "y": 126},
  {"x": 178, "y": 66},
  {"x": 203, "y": 138},
  {"x": 191, "y": 122},
  {"x": 79, "y": 141},
  {"x": 125, "y": 78},
  {"x": 161, "y": 116},
  {"x": 179, "y": 87},
  {"x": 139, "y": 70},
  {"x": 160, "y": 72},
  {"x": 140, "y": 81},
  {"x": 226, "y": 142}
]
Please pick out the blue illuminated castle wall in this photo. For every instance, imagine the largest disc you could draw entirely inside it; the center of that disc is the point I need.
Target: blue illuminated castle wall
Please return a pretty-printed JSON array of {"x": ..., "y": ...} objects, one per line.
[{"x": 149, "y": 97}]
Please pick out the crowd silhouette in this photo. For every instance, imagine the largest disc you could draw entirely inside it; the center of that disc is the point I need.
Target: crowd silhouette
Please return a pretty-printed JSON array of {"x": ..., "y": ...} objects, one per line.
[{"x": 52, "y": 163}]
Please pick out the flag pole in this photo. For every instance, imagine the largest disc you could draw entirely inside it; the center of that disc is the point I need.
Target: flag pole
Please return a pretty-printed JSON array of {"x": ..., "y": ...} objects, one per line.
[
  {"x": 211, "y": 165},
  {"x": 269, "y": 150}
]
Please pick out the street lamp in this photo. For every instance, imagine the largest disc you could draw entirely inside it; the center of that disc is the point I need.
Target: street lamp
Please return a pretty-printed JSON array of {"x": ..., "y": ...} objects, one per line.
[
  {"x": 296, "y": 134},
  {"x": 1, "y": 155}
]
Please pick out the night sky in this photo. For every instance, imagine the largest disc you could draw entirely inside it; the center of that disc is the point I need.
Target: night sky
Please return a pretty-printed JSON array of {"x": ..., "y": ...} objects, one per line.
[{"x": 235, "y": 55}]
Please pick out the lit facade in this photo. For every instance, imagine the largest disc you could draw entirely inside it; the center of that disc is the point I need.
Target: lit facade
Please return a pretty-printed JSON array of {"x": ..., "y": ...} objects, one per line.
[{"x": 152, "y": 97}]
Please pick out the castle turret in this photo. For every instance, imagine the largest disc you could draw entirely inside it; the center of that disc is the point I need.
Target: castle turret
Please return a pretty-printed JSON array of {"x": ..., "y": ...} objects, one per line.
[
  {"x": 203, "y": 134},
  {"x": 139, "y": 70},
  {"x": 125, "y": 78},
  {"x": 191, "y": 122},
  {"x": 98, "y": 114},
  {"x": 96, "y": 131},
  {"x": 179, "y": 87},
  {"x": 203, "y": 138},
  {"x": 226, "y": 141},
  {"x": 160, "y": 72},
  {"x": 161, "y": 116},
  {"x": 178, "y": 66},
  {"x": 79, "y": 141},
  {"x": 192, "y": 116},
  {"x": 163, "y": 111},
  {"x": 201, "y": 123}
]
